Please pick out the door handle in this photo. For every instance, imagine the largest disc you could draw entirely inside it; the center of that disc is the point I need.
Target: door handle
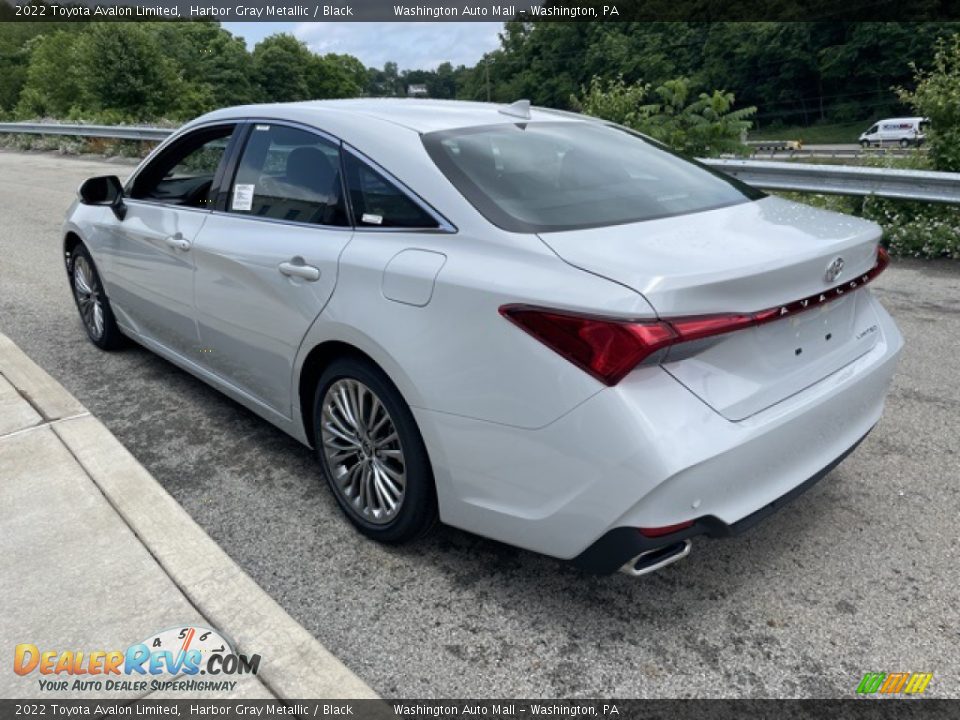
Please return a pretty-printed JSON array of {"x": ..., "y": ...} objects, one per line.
[
  {"x": 307, "y": 272},
  {"x": 177, "y": 242}
]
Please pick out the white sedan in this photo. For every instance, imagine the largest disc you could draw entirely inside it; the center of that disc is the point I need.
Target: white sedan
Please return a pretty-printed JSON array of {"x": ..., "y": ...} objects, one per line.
[{"x": 535, "y": 326}]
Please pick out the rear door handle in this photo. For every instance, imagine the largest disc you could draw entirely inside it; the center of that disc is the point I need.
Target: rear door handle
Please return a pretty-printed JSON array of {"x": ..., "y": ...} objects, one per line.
[
  {"x": 307, "y": 272},
  {"x": 177, "y": 242}
]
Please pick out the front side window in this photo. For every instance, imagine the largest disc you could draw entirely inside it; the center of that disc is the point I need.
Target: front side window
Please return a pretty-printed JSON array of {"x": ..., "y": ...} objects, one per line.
[
  {"x": 289, "y": 174},
  {"x": 379, "y": 203},
  {"x": 549, "y": 176},
  {"x": 183, "y": 174}
]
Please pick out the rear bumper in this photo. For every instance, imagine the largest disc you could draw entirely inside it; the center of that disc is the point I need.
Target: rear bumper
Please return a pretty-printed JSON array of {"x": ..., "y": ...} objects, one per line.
[
  {"x": 649, "y": 453},
  {"x": 616, "y": 547}
]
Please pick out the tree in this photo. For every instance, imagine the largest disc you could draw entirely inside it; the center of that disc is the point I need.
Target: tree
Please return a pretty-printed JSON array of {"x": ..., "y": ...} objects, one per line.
[
  {"x": 336, "y": 76},
  {"x": 385, "y": 82},
  {"x": 702, "y": 126},
  {"x": 51, "y": 87},
  {"x": 15, "y": 50},
  {"x": 794, "y": 72},
  {"x": 281, "y": 65},
  {"x": 937, "y": 97},
  {"x": 215, "y": 66},
  {"x": 121, "y": 69},
  {"x": 443, "y": 82}
]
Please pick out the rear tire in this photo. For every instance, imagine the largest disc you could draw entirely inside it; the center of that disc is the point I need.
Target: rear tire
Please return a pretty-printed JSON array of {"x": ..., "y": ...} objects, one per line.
[
  {"x": 92, "y": 302},
  {"x": 371, "y": 452}
]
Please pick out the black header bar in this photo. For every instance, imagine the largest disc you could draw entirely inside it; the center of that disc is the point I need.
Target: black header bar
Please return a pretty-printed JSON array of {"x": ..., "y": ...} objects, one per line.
[
  {"x": 482, "y": 10},
  {"x": 227, "y": 709}
]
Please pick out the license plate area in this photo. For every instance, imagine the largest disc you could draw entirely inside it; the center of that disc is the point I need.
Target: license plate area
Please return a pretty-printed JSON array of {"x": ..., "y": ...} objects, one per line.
[
  {"x": 809, "y": 336},
  {"x": 745, "y": 372}
]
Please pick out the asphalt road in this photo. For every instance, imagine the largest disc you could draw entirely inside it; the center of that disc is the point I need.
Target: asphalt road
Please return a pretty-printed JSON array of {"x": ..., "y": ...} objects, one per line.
[{"x": 859, "y": 574}]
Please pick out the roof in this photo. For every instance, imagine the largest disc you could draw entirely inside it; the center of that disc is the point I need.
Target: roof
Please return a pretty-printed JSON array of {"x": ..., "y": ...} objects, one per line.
[{"x": 418, "y": 115}]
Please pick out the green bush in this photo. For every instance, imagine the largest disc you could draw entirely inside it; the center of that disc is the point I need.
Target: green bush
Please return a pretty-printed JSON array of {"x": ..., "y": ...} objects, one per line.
[
  {"x": 703, "y": 126},
  {"x": 912, "y": 229},
  {"x": 937, "y": 97}
]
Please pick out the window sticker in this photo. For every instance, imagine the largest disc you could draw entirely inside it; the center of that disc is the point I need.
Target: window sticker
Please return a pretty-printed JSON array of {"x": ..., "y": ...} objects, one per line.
[
  {"x": 242, "y": 197},
  {"x": 372, "y": 219}
]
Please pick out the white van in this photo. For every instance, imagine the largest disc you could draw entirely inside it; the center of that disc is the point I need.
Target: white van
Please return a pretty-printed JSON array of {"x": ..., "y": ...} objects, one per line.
[{"x": 902, "y": 131}]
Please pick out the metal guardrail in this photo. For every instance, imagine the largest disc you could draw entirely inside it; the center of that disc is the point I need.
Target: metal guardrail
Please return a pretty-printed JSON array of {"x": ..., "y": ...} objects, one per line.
[
  {"x": 814, "y": 151},
  {"x": 115, "y": 132},
  {"x": 921, "y": 185}
]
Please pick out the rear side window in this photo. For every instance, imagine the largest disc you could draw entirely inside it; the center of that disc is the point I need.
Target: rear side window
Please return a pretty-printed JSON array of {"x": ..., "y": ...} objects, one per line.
[
  {"x": 549, "y": 176},
  {"x": 289, "y": 174},
  {"x": 377, "y": 202}
]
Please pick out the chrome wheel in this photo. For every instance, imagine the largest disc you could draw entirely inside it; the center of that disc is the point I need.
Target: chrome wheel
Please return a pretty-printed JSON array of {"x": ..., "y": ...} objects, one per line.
[
  {"x": 363, "y": 451},
  {"x": 89, "y": 296}
]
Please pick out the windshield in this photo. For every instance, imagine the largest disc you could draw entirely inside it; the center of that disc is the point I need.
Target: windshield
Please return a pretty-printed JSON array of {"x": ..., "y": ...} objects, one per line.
[{"x": 549, "y": 176}]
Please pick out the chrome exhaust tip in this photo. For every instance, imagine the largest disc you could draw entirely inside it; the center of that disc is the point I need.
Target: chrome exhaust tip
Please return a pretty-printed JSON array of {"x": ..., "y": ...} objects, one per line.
[{"x": 652, "y": 560}]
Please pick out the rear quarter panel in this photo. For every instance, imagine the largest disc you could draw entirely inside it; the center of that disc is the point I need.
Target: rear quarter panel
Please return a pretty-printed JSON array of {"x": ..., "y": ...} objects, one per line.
[{"x": 456, "y": 354}]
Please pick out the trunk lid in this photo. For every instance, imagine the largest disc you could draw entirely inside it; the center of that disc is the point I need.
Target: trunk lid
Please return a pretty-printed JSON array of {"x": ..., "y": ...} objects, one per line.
[{"x": 740, "y": 259}]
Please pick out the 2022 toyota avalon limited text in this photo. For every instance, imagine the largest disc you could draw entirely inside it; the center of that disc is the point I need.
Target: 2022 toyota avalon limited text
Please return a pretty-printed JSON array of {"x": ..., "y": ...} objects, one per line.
[{"x": 532, "y": 325}]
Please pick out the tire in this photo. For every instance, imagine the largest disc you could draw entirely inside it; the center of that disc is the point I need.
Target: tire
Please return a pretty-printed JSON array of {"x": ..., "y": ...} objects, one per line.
[
  {"x": 92, "y": 302},
  {"x": 365, "y": 467},
  {"x": 904, "y": 143},
  {"x": 864, "y": 144}
]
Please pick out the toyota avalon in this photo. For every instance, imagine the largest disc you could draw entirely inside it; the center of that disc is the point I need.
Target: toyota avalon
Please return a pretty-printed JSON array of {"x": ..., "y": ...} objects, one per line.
[{"x": 540, "y": 327}]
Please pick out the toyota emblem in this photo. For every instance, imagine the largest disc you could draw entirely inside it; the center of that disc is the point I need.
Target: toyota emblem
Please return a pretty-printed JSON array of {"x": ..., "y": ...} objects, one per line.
[{"x": 833, "y": 270}]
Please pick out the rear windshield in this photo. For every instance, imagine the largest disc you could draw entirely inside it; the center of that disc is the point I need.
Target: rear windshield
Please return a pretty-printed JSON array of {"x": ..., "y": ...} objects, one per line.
[{"x": 549, "y": 176}]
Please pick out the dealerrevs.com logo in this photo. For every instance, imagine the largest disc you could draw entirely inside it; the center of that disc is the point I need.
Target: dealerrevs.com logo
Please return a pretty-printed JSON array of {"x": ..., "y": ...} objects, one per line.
[
  {"x": 894, "y": 683},
  {"x": 169, "y": 660}
]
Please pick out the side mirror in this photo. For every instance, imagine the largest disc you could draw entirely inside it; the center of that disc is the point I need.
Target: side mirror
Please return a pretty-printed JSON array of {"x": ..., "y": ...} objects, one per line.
[{"x": 104, "y": 190}]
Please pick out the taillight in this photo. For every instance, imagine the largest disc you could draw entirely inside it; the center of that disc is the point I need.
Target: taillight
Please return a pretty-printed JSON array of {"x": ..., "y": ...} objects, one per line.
[{"x": 608, "y": 348}]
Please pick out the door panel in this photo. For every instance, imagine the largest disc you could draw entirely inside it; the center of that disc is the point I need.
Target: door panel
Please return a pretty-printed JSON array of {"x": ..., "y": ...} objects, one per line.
[
  {"x": 151, "y": 269},
  {"x": 267, "y": 267},
  {"x": 147, "y": 255},
  {"x": 256, "y": 301}
]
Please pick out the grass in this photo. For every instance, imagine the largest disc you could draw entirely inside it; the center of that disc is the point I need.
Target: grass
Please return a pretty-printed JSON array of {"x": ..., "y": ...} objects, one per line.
[{"x": 820, "y": 134}]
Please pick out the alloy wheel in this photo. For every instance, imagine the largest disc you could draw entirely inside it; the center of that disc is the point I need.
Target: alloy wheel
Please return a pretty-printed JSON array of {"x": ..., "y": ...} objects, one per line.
[
  {"x": 363, "y": 451},
  {"x": 89, "y": 296}
]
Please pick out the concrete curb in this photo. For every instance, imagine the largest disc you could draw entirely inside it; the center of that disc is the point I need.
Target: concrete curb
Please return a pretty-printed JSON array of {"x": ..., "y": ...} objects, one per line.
[
  {"x": 47, "y": 396},
  {"x": 295, "y": 665}
]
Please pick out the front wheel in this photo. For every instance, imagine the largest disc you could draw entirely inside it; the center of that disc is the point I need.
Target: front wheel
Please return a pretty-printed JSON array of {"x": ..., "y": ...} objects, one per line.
[
  {"x": 864, "y": 144},
  {"x": 904, "y": 143},
  {"x": 92, "y": 302},
  {"x": 372, "y": 453}
]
